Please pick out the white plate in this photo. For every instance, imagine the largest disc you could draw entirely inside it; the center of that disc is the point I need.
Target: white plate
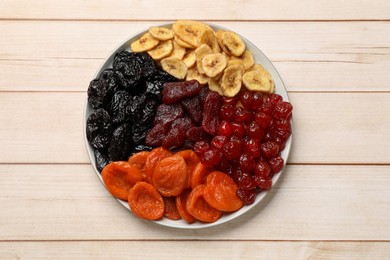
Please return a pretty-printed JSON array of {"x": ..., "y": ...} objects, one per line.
[{"x": 279, "y": 89}]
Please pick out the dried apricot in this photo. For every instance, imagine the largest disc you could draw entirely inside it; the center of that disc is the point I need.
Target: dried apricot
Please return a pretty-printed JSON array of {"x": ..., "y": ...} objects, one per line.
[
  {"x": 199, "y": 174},
  {"x": 221, "y": 192},
  {"x": 170, "y": 209},
  {"x": 119, "y": 177},
  {"x": 145, "y": 201},
  {"x": 181, "y": 205},
  {"x": 170, "y": 176},
  {"x": 191, "y": 159},
  {"x": 156, "y": 155},
  {"x": 138, "y": 160},
  {"x": 199, "y": 208}
]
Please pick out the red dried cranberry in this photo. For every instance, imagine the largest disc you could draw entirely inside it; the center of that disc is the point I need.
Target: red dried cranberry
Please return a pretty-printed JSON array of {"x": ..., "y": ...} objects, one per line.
[
  {"x": 232, "y": 150},
  {"x": 257, "y": 100},
  {"x": 224, "y": 165},
  {"x": 211, "y": 157},
  {"x": 283, "y": 110},
  {"x": 274, "y": 99},
  {"x": 267, "y": 108},
  {"x": 276, "y": 164},
  {"x": 263, "y": 119},
  {"x": 282, "y": 125},
  {"x": 264, "y": 183},
  {"x": 219, "y": 141},
  {"x": 227, "y": 112},
  {"x": 247, "y": 163},
  {"x": 242, "y": 115},
  {"x": 246, "y": 99},
  {"x": 247, "y": 196},
  {"x": 201, "y": 147},
  {"x": 281, "y": 142},
  {"x": 252, "y": 148},
  {"x": 225, "y": 129},
  {"x": 269, "y": 149},
  {"x": 238, "y": 129},
  {"x": 255, "y": 131},
  {"x": 246, "y": 182},
  {"x": 262, "y": 169}
]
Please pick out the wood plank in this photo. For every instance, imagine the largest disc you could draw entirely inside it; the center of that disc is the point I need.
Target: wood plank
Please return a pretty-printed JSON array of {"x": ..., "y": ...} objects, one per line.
[
  {"x": 68, "y": 202},
  {"x": 328, "y": 128},
  {"x": 219, "y": 10},
  {"x": 187, "y": 249},
  {"x": 331, "y": 56}
]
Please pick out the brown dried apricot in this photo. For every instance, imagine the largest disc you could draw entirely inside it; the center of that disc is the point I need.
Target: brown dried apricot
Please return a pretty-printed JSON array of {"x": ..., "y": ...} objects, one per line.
[
  {"x": 170, "y": 176},
  {"x": 181, "y": 205},
  {"x": 145, "y": 201},
  {"x": 221, "y": 192},
  {"x": 199, "y": 208},
  {"x": 156, "y": 155},
  {"x": 119, "y": 177}
]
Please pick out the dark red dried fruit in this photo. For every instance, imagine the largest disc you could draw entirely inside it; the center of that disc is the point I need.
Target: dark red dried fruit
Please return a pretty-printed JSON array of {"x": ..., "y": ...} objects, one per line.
[
  {"x": 177, "y": 134},
  {"x": 264, "y": 183},
  {"x": 211, "y": 108},
  {"x": 201, "y": 147},
  {"x": 269, "y": 149},
  {"x": 262, "y": 169},
  {"x": 176, "y": 91},
  {"x": 283, "y": 110},
  {"x": 242, "y": 115},
  {"x": 166, "y": 114},
  {"x": 193, "y": 107},
  {"x": 238, "y": 129},
  {"x": 247, "y": 163},
  {"x": 247, "y": 196},
  {"x": 276, "y": 164},
  {"x": 196, "y": 133},
  {"x": 211, "y": 157},
  {"x": 156, "y": 135},
  {"x": 252, "y": 148},
  {"x": 263, "y": 119},
  {"x": 219, "y": 141},
  {"x": 255, "y": 131},
  {"x": 227, "y": 112}
]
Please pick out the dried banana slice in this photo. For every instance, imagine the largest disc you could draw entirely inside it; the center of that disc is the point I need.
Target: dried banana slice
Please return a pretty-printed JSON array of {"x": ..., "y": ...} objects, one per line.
[
  {"x": 208, "y": 37},
  {"x": 194, "y": 74},
  {"x": 183, "y": 43},
  {"x": 144, "y": 43},
  {"x": 231, "y": 43},
  {"x": 246, "y": 58},
  {"x": 237, "y": 62},
  {"x": 258, "y": 81},
  {"x": 161, "y": 33},
  {"x": 175, "y": 67},
  {"x": 189, "y": 58},
  {"x": 162, "y": 50},
  {"x": 257, "y": 67},
  {"x": 178, "y": 51},
  {"x": 231, "y": 80},
  {"x": 200, "y": 52},
  {"x": 189, "y": 31},
  {"x": 215, "y": 86},
  {"x": 213, "y": 64}
]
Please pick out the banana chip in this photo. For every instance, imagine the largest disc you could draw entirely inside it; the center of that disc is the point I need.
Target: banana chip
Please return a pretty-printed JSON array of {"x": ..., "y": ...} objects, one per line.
[
  {"x": 213, "y": 64},
  {"x": 175, "y": 67},
  {"x": 231, "y": 80},
  {"x": 200, "y": 52},
  {"x": 145, "y": 43},
  {"x": 258, "y": 81},
  {"x": 162, "y": 50},
  {"x": 189, "y": 58},
  {"x": 161, "y": 33},
  {"x": 189, "y": 31},
  {"x": 193, "y": 73}
]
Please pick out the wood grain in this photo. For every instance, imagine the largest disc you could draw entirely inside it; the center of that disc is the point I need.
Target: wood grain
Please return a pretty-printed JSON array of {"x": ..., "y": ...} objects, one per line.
[
  {"x": 218, "y": 10},
  {"x": 48, "y": 128},
  {"x": 204, "y": 250},
  {"x": 68, "y": 202},
  {"x": 315, "y": 56}
]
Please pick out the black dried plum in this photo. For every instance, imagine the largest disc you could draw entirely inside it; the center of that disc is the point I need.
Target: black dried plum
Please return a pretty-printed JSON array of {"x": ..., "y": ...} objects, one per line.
[
  {"x": 101, "y": 159},
  {"x": 108, "y": 75},
  {"x": 139, "y": 133},
  {"x": 166, "y": 114},
  {"x": 141, "y": 147},
  {"x": 127, "y": 69},
  {"x": 149, "y": 68},
  {"x": 154, "y": 89},
  {"x": 99, "y": 129},
  {"x": 164, "y": 77},
  {"x": 120, "y": 145},
  {"x": 193, "y": 107},
  {"x": 97, "y": 92},
  {"x": 148, "y": 112},
  {"x": 176, "y": 91},
  {"x": 137, "y": 106},
  {"x": 120, "y": 107}
]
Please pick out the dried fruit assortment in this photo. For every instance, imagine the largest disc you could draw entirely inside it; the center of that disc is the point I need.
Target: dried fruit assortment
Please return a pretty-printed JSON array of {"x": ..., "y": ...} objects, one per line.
[{"x": 187, "y": 125}]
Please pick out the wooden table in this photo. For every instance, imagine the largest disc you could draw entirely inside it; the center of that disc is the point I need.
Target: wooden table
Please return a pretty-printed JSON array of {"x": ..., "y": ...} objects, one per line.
[{"x": 333, "y": 200}]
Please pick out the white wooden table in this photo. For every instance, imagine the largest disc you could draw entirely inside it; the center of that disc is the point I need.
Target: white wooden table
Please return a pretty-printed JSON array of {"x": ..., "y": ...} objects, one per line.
[{"x": 333, "y": 201}]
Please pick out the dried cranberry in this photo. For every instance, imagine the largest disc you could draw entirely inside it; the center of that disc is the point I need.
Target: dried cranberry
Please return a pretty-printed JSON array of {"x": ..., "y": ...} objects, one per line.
[
  {"x": 247, "y": 196},
  {"x": 232, "y": 150},
  {"x": 262, "y": 169},
  {"x": 242, "y": 115},
  {"x": 246, "y": 182},
  {"x": 230, "y": 101},
  {"x": 247, "y": 163},
  {"x": 269, "y": 149},
  {"x": 227, "y": 112},
  {"x": 257, "y": 100},
  {"x": 246, "y": 99},
  {"x": 211, "y": 157},
  {"x": 238, "y": 129},
  {"x": 264, "y": 183},
  {"x": 252, "y": 148},
  {"x": 267, "y": 108},
  {"x": 282, "y": 125},
  {"x": 201, "y": 147},
  {"x": 225, "y": 129},
  {"x": 255, "y": 131},
  {"x": 274, "y": 99},
  {"x": 283, "y": 110},
  {"x": 263, "y": 119},
  {"x": 219, "y": 141},
  {"x": 276, "y": 164}
]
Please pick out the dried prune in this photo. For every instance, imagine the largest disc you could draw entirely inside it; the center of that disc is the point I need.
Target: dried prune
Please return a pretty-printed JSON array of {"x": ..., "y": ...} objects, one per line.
[
  {"x": 193, "y": 107},
  {"x": 127, "y": 69},
  {"x": 120, "y": 145},
  {"x": 197, "y": 133},
  {"x": 149, "y": 68},
  {"x": 136, "y": 107},
  {"x": 120, "y": 107},
  {"x": 139, "y": 133},
  {"x": 177, "y": 134},
  {"x": 101, "y": 159},
  {"x": 176, "y": 91},
  {"x": 166, "y": 114},
  {"x": 154, "y": 89},
  {"x": 99, "y": 129},
  {"x": 97, "y": 92},
  {"x": 141, "y": 147},
  {"x": 148, "y": 112},
  {"x": 164, "y": 77},
  {"x": 211, "y": 108},
  {"x": 156, "y": 135}
]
